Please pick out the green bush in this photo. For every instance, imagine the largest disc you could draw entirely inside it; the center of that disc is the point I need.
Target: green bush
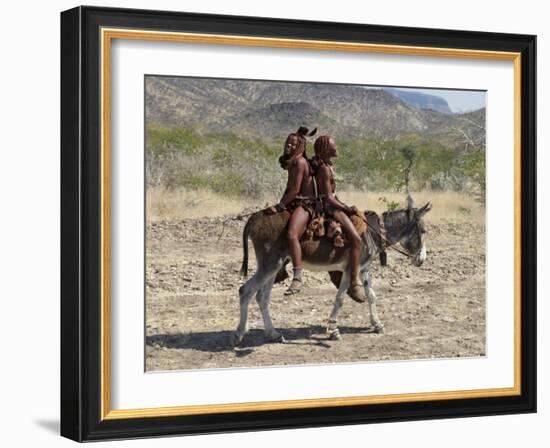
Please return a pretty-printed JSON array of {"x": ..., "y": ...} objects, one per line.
[
  {"x": 237, "y": 166},
  {"x": 162, "y": 139},
  {"x": 391, "y": 206}
]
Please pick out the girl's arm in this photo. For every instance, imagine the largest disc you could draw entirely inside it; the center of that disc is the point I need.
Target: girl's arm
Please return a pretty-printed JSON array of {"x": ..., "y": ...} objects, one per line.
[
  {"x": 295, "y": 176},
  {"x": 325, "y": 188}
]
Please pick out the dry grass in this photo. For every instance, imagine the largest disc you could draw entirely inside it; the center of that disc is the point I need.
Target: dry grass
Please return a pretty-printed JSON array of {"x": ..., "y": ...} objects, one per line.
[
  {"x": 448, "y": 206},
  {"x": 162, "y": 203}
]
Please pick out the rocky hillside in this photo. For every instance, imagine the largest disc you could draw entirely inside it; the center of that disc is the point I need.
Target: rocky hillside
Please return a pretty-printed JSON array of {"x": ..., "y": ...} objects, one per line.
[{"x": 272, "y": 109}]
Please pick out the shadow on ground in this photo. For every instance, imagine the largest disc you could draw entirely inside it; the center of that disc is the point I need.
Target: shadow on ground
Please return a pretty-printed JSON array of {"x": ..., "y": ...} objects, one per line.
[{"x": 219, "y": 341}]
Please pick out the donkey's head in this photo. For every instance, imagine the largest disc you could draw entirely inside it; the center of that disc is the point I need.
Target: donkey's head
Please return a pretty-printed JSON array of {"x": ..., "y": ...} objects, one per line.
[
  {"x": 407, "y": 228},
  {"x": 413, "y": 237}
]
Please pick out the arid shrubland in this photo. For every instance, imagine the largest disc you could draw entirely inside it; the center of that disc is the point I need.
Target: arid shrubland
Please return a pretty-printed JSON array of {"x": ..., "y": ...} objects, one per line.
[{"x": 191, "y": 174}]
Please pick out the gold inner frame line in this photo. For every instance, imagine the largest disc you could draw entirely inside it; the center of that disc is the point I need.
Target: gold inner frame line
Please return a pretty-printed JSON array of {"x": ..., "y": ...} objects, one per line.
[{"x": 107, "y": 35}]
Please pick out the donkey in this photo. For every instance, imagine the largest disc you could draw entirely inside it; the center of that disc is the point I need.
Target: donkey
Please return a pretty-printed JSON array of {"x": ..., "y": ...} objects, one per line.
[{"x": 267, "y": 232}]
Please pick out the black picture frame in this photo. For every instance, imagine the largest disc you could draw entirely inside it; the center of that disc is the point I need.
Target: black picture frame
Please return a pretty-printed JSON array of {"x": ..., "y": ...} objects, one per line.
[{"x": 81, "y": 224}]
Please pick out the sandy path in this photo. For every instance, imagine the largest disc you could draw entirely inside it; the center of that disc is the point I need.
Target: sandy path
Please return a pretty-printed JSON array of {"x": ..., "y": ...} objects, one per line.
[{"x": 435, "y": 311}]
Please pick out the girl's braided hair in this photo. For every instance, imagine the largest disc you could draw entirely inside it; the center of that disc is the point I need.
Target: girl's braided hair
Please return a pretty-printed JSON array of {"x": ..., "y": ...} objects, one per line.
[
  {"x": 286, "y": 160},
  {"x": 320, "y": 146}
]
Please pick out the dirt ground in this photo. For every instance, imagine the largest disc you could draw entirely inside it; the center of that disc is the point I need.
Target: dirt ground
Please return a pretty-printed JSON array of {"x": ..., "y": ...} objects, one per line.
[{"x": 192, "y": 305}]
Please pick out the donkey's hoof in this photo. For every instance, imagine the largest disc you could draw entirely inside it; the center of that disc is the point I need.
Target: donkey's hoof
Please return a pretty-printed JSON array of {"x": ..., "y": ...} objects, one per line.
[
  {"x": 235, "y": 339},
  {"x": 276, "y": 337},
  {"x": 334, "y": 335},
  {"x": 379, "y": 329}
]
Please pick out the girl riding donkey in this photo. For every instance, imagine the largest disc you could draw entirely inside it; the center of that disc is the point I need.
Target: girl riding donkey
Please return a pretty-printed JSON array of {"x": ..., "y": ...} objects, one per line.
[
  {"x": 267, "y": 233},
  {"x": 298, "y": 198},
  {"x": 334, "y": 209}
]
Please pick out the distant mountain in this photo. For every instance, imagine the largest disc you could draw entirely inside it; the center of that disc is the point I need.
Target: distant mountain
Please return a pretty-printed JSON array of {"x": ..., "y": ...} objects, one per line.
[
  {"x": 422, "y": 100},
  {"x": 275, "y": 108}
]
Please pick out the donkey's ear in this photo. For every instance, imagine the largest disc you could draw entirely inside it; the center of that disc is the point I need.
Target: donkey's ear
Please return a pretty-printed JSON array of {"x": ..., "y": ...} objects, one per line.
[
  {"x": 421, "y": 212},
  {"x": 410, "y": 202}
]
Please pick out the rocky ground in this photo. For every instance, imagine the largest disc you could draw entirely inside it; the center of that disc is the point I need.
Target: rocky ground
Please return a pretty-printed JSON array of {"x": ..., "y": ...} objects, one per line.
[{"x": 192, "y": 305}]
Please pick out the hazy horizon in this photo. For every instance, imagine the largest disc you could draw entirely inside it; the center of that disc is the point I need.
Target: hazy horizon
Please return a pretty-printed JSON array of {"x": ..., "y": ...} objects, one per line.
[{"x": 458, "y": 100}]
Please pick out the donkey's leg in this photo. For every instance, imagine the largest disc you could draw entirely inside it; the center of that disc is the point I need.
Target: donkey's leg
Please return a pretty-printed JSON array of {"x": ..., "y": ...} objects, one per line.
[
  {"x": 332, "y": 327},
  {"x": 371, "y": 297},
  {"x": 246, "y": 292},
  {"x": 263, "y": 296}
]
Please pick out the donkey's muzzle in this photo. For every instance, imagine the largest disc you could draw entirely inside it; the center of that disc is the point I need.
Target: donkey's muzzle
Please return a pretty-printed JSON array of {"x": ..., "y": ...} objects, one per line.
[{"x": 420, "y": 257}]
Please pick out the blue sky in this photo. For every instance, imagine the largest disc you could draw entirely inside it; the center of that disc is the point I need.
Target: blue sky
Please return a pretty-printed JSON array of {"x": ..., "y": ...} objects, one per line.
[{"x": 458, "y": 100}]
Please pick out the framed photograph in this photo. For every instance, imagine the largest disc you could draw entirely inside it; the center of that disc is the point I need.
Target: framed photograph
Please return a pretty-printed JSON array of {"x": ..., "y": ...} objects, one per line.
[{"x": 274, "y": 223}]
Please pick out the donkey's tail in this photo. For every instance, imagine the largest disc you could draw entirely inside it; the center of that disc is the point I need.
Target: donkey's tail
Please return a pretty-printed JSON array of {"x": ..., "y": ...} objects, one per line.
[{"x": 246, "y": 233}]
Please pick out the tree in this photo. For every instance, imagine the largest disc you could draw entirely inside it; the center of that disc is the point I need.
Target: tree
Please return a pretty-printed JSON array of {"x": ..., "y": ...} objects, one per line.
[
  {"x": 472, "y": 132},
  {"x": 409, "y": 154}
]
